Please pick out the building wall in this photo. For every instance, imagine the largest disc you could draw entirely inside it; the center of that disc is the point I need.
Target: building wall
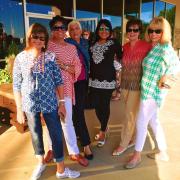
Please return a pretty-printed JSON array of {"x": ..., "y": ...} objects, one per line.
[
  {"x": 177, "y": 24},
  {"x": 177, "y": 3}
]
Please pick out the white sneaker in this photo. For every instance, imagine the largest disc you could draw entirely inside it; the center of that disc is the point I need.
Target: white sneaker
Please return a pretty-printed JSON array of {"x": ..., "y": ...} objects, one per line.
[
  {"x": 68, "y": 173},
  {"x": 38, "y": 171}
]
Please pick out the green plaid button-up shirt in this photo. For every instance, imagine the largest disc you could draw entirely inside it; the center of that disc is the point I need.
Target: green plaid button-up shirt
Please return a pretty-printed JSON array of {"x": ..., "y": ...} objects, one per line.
[{"x": 161, "y": 60}]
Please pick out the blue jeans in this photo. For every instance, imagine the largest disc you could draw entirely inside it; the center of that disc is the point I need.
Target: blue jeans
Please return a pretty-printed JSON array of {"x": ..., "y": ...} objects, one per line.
[{"x": 55, "y": 131}]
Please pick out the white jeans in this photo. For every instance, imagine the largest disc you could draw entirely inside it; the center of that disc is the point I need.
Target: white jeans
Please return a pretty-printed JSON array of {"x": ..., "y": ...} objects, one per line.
[
  {"x": 68, "y": 130},
  {"x": 148, "y": 114}
]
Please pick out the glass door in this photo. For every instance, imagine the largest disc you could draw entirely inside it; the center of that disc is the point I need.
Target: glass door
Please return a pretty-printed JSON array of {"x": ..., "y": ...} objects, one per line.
[{"x": 39, "y": 18}]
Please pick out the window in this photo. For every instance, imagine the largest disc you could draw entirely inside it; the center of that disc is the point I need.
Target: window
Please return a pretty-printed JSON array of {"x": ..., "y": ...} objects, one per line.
[
  {"x": 88, "y": 13},
  {"x": 37, "y": 8},
  {"x": 160, "y": 8},
  {"x": 112, "y": 11},
  {"x": 170, "y": 16},
  {"x": 132, "y": 9},
  {"x": 146, "y": 13},
  {"x": 11, "y": 29}
]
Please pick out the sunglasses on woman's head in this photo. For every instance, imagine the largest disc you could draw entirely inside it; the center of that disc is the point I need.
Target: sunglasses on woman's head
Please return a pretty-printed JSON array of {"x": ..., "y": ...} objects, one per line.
[
  {"x": 41, "y": 38},
  {"x": 104, "y": 29},
  {"x": 57, "y": 28},
  {"x": 157, "y": 31},
  {"x": 132, "y": 30}
]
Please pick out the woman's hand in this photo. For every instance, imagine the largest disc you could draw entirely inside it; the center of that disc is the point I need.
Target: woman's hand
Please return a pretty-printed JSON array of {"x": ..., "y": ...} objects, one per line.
[
  {"x": 20, "y": 116},
  {"x": 166, "y": 82},
  {"x": 66, "y": 67},
  {"x": 62, "y": 111},
  {"x": 69, "y": 68}
]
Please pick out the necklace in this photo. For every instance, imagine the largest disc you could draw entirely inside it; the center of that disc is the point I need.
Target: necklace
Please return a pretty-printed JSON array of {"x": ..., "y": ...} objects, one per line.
[{"x": 38, "y": 67}]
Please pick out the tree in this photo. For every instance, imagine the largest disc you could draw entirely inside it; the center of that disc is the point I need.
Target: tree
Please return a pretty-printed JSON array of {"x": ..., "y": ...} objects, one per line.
[{"x": 170, "y": 16}]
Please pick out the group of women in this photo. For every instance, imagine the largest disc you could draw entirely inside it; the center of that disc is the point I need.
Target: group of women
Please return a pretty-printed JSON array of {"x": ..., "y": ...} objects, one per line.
[{"x": 51, "y": 77}]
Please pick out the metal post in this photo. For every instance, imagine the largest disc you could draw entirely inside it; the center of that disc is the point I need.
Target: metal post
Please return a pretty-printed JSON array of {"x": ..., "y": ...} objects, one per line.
[
  {"x": 25, "y": 17},
  {"x": 140, "y": 8},
  {"x": 154, "y": 8},
  {"x": 122, "y": 22},
  {"x": 165, "y": 9},
  {"x": 74, "y": 9},
  {"x": 102, "y": 4}
]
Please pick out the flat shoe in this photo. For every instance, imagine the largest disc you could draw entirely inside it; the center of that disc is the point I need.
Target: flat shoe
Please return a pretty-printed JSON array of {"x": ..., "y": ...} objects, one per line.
[
  {"x": 49, "y": 156},
  {"x": 118, "y": 153},
  {"x": 132, "y": 164},
  {"x": 158, "y": 157},
  {"x": 80, "y": 159}
]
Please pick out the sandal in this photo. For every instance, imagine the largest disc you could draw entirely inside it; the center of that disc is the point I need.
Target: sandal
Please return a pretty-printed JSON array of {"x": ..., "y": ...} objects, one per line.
[
  {"x": 97, "y": 136},
  {"x": 101, "y": 143},
  {"x": 88, "y": 155}
]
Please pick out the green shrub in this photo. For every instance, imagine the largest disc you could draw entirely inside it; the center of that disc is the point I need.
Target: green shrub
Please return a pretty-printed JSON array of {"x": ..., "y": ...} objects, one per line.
[{"x": 4, "y": 76}]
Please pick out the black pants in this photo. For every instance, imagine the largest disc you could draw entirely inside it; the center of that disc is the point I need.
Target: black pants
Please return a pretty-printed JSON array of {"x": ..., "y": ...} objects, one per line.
[
  {"x": 79, "y": 122},
  {"x": 102, "y": 99}
]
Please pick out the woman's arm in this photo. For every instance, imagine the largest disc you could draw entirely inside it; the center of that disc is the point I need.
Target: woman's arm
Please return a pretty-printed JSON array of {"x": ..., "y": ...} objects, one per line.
[
  {"x": 171, "y": 67},
  {"x": 59, "y": 89},
  {"x": 20, "y": 113},
  {"x": 66, "y": 67},
  {"x": 17, "y": 81},
  {"x": 61, "y": 102}
]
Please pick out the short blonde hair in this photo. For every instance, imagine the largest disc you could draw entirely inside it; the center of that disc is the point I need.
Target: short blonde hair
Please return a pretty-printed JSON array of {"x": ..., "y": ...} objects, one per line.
[
  {"x": 74, "y": 22},
  {"x": 163, "y": 24}
]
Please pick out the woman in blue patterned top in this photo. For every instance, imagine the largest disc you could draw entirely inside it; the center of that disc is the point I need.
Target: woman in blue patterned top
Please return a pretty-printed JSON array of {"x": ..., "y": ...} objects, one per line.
[
  {"x": 159, "y": 67},
  {"x": 36, "y": 83}
]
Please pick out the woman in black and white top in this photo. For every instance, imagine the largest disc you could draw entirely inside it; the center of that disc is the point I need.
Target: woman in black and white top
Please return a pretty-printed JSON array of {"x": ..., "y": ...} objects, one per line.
[{"x": 105, "y": 57}]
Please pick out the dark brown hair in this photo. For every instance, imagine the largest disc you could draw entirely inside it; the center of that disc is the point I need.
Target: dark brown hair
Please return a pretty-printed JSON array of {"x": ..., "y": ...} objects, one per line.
[{"x": 132, "y": 22}]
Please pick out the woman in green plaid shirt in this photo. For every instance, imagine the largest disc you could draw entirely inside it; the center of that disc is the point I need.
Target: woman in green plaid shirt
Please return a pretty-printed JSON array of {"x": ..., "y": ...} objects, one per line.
[{"x": 159, "y": 67}]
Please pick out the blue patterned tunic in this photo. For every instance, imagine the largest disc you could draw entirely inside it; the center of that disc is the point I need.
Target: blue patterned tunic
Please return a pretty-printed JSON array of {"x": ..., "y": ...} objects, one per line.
[{"x": 38, "y": 89}]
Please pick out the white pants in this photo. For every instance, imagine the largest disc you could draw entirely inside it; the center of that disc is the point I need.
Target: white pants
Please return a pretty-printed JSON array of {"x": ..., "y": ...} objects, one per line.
[
  {"x": 148, "y": 114},
  {"x": 68, "y": 130}
]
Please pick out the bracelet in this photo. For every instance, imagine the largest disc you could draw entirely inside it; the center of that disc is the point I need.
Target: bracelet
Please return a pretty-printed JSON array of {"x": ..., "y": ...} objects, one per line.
[{"x": 61, "y": 100}]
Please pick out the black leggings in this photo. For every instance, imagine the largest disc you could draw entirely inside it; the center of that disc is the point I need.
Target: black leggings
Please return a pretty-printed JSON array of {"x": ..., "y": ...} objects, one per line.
[
  {"x": 78, "y": 112},
  {"x": 102, "y": 99}
]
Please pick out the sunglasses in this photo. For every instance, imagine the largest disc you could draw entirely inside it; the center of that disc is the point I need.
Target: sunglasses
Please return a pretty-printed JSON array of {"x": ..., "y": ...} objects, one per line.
[
  {"x": 41, "y": 38},
  {"x": 132, "y": 30},
  {"x": 104, "y": 29},
  {"x": 157, "y": 31},
  {"x": 57, "y": 28}
]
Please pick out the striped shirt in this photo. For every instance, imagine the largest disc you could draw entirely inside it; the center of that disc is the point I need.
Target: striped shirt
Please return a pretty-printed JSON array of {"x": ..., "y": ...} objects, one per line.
[
  {"x": 68, "y": 55},
  {"x": 161, "y": 60}
]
